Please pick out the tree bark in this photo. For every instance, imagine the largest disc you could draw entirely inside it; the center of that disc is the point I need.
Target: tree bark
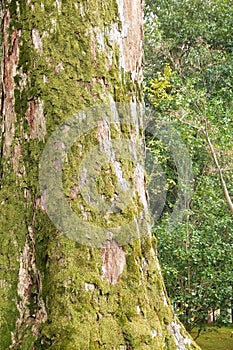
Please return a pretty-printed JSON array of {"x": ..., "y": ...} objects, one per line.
[{"x": 61, "y": 57}]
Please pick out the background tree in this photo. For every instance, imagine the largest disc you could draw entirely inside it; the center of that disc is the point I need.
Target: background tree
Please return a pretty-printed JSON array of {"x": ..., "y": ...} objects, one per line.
[
  {"x": 60, "y": 57},
  {"x": 189, "y": 56}
]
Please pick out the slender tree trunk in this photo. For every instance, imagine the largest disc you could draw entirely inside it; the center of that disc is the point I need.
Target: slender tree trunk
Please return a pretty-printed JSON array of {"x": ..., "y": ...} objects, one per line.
[{"x": 60, "y": 57}]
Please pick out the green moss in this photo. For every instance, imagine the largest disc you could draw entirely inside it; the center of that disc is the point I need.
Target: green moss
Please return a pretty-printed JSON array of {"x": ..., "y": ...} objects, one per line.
[
  {"x": 111, "y": 339},
  {"x": 28, "y": 341},
  {"x": 138, "y": 333},
  {"x": 215, "y": 338},
  {"x": 106, "y": 182}
]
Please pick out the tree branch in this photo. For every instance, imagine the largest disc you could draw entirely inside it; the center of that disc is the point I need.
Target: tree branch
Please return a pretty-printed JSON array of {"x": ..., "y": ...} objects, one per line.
[
  {"x": 223, "y": 184},
  {"x": 214, "y": 156}
]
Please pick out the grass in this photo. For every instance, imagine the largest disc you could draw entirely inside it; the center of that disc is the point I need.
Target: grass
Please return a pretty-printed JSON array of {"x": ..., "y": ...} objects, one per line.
[{"x": 214, "y": 338}]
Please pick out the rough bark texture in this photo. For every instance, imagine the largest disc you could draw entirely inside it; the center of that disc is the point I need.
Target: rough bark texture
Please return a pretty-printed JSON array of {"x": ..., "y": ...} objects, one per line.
[{"x": 60, "y": 57}]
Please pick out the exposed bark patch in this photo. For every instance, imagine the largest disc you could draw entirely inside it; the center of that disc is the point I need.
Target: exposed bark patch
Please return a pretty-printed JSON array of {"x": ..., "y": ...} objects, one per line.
[
  {"x": 130, "y": 13},
  {"x": 57, "y": 4},
  {"x": 181, "y": 342},
  {"x": 10, "y": 60},
  {"x": 37, "y": 41},
  {"x": 97, "y": 42},
  {"x": 74, "y": 192},
  {"x": 139, "y": 179},
  {"x": 104, "y": 137},
  {"x": 29, "y": 289},
  {"x": 30, "y": 113},
  {"x": 103, "y": 132},
  {"x": 25, "y": 280},
  {"x": 114, "y": 261},
  {"x": 59, "y": 67},
  {"x": 89, "y": 287},
  {"x": 36, "y": 119},
  {"x": 93, "y": 49},
  {"x": 16, "y": 157}
]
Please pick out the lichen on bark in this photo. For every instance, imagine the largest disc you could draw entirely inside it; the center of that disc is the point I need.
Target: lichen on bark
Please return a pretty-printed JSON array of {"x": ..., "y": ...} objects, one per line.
[{"x": 60, "y": 57}]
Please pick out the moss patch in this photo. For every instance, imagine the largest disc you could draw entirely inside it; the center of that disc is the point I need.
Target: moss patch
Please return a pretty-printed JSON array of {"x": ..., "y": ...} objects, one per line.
[{"x": 214, "y": 338}]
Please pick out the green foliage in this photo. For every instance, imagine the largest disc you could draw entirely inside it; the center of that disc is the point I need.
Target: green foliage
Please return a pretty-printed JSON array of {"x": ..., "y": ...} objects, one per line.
[
  {"x": 159, "y": 88},
  {"x": 194, "y": 39}
]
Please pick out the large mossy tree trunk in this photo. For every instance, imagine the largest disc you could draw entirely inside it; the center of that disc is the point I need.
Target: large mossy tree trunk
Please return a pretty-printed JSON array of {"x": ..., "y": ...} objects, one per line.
[{"x": 60, "y": 57}]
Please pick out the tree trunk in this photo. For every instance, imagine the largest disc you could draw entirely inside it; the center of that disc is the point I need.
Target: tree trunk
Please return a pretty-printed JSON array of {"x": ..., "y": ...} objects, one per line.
[{"x": 72, "y": 289}]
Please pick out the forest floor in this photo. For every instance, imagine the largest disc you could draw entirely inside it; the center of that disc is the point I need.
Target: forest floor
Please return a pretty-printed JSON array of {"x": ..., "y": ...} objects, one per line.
[{"x": 214, "y": 338}]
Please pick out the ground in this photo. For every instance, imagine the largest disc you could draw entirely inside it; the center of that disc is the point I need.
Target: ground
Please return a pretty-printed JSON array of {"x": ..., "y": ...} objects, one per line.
[{"x": 215, "y": 338}]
